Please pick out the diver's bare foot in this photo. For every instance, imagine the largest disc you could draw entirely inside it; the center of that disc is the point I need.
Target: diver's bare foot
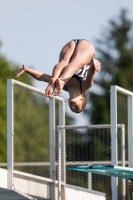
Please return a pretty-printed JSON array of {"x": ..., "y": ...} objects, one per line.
[
  {"x": 50, "y": 88},
  {"x": 59, "y": 86},
  {"x": 21, "y": 71},
  {"x": 96, "y": 64}
]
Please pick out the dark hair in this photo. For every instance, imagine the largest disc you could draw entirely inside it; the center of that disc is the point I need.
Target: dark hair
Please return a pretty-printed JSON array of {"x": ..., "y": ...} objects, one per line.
[{"x": 86, "y": 97}]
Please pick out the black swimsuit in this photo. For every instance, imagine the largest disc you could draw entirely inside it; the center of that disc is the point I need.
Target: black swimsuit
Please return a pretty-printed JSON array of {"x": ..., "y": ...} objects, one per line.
[{"x": 81, "y": 73}]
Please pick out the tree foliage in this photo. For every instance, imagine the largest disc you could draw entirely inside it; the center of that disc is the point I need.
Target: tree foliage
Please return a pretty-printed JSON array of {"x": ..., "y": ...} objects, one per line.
[
  {"x": 7, "y": 71},
  {"x": 115, "y": 49}
]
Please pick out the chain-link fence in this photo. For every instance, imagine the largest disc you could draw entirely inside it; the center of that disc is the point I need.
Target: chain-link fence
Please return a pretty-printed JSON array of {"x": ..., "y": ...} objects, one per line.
[
  {"x": 121, "y": 113},
  {"x": 32, "y": 121}
]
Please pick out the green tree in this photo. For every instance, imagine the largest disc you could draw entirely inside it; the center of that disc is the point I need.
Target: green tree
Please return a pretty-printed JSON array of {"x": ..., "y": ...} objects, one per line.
[
  {"x": 7, "y": 71},
  {"x": 115, "y": 49},
  {"x": 29, "y": 122}
]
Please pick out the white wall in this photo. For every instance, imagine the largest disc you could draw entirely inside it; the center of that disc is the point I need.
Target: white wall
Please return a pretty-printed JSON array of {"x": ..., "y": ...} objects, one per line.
[{"x": 3, "y": 178}]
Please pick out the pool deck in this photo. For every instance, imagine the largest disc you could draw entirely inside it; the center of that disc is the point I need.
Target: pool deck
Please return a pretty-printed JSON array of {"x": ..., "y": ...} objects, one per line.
[{"x": 10, "y": 194}]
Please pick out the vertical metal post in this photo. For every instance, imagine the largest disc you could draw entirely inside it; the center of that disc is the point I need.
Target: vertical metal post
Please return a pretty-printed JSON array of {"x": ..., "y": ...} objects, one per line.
[
  {"x": 63, "y": 147},
  {"x": 123, "y": 160},
  {"x": 52, "y": 146},
  {"x": 10, "y": 134},
  {"x": 130, "y": 131},
  {"x": 90, "y": 181},
  {"x": 123, "y": 144},
  {"x": 59, "y": 163},
  {"x": 114, "y": 139}
]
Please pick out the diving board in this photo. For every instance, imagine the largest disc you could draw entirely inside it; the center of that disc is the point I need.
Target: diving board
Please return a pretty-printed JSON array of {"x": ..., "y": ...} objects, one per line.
[{"x": 116, "y": 171}]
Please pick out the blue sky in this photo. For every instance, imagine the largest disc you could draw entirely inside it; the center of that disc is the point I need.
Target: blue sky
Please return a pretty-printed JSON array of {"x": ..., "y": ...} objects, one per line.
[{"x": 34, "y": 31}]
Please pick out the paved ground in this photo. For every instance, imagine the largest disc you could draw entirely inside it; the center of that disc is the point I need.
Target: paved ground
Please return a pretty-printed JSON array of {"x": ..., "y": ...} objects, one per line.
[{"x": 10, "y": 195}]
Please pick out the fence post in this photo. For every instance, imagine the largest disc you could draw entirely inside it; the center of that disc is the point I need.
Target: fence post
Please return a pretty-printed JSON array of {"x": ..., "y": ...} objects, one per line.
[
  {"x": 52, "y": 146},
  {"x": 114, "y": 139},
  {"x": 89, "y": 180},
  {"x": 130, "y": 131},
  {"x": 63, "y": 147},
  {"x": 10, "y": 133},
  {"x": 59, "y": 165},
  {"x": 123, "y": 159}
]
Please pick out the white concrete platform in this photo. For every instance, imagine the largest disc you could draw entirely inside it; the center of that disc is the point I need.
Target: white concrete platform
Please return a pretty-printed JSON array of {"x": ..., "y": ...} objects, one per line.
[{"x": 28, "y": 186}]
